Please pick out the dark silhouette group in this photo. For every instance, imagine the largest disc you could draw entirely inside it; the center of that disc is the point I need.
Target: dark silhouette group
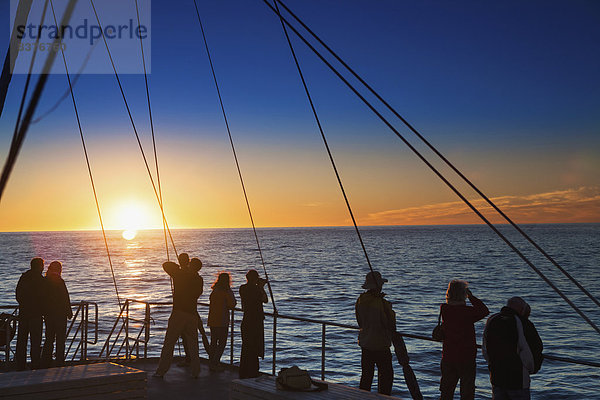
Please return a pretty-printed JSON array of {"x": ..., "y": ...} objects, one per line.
[
  {"x": 42, "y": 299},
  {"x": 185, "y": 320},
  {"x": 511, "y": 344}
]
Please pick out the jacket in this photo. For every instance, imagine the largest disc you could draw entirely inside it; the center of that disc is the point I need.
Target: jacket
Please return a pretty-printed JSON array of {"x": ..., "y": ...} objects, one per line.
[
  {"x": 57, "y": 302},
  {"x": 30, "y": 294},
  {"x": 458, "y": 321},
  {"x": 187, "y": 287},
  {"x": 221, "y": 301},
  {"x": 512, "y": 348},
  {"x": 377, "y": 321}
]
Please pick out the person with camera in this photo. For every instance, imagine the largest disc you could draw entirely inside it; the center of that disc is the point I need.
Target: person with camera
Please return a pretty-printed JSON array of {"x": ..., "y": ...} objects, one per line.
[
  {"x": 252, "y": 295},
  {"x": 459, "y": 348}
]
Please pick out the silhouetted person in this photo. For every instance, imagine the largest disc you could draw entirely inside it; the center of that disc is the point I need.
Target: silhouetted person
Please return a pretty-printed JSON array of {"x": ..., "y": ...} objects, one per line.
[
  {"x": 57, "y": 309},
  {"x": 377, "y": 322},
  {"x": 252, "y": 296},
  {"x": 513, "y": 350},
  {"x": 187, "y": 287},
  {"x": 221, "y": 301},
  {"x": 30, "y": 295},
  {"x": 192, "y": 265},
  {"x": 459, "y": 348}
]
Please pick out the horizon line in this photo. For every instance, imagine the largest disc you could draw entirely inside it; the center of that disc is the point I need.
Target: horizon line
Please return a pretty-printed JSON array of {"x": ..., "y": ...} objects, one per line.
[{"x": 298, "y": 227}]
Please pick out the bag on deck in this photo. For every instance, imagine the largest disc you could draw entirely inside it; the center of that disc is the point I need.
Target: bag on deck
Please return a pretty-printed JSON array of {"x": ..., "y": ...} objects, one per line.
[
  {"x": 438, "y": 331},
  {"x": 296, "y": 379}
]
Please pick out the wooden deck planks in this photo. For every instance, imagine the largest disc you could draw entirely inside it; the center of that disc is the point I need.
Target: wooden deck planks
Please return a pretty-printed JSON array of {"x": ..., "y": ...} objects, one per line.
[
  {"x": 92, "y": 381},
  {"x": 264, "y": 388}
]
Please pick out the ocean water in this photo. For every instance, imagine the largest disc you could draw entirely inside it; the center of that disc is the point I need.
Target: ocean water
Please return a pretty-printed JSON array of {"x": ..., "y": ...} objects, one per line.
[{"x": 318, "y": 272}]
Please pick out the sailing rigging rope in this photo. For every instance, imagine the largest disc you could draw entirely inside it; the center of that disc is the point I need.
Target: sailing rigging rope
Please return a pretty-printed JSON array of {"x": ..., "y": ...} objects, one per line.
[
  {"x": 237, "y": 164},
  {"x": 87, "y": 160},
  {"x": 15, "y": 138},
  {"x": 152, "y": 128},
  {"x": 436, "y": 171},
  {"x": 318, "y": 121},
  {"x": 135, "y": 129},
  {"x": 65, "y": 95},
  {"x": 439, "y": 154},
  {"x": 23, "y": 125},
  {"x": 21, "y": 15}
]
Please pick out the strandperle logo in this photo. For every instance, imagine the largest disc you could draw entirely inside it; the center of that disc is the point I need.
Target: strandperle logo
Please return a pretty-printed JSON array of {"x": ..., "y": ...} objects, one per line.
[
  {"x": 82, "y": 38},
  {"x": 86, "y": 30}
]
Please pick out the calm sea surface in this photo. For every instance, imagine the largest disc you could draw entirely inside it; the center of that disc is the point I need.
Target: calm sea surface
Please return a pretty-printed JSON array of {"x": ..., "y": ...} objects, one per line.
[{"x": 318, "y": 272}]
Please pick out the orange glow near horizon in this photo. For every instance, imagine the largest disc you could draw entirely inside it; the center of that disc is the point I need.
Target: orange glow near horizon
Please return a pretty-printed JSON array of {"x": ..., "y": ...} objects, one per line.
[{"x": 300, "y": 191}]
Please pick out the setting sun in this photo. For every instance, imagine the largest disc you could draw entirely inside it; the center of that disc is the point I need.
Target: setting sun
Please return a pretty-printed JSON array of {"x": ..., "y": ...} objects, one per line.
[{"x": 129, "y": 234}]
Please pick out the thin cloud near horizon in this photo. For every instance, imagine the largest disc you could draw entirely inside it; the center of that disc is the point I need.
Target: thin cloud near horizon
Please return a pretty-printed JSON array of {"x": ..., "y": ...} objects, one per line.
[{"x": 576, "y": 205}]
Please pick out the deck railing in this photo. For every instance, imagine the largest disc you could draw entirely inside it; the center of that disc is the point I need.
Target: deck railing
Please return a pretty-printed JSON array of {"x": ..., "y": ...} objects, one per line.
[
  {"x": 131, "y": 333},
  {"x": 78, "y": 331},
  {"x": 125, "y": 318}
]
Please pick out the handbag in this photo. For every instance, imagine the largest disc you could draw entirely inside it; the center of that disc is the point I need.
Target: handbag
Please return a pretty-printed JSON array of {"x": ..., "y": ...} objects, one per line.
[
  {"x": 298, "y": 380},
  {"x": 438, "y": 331}
]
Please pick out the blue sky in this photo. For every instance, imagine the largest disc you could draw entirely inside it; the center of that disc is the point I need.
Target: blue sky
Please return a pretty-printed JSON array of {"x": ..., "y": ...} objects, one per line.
[{"x": 508, "y": 90}]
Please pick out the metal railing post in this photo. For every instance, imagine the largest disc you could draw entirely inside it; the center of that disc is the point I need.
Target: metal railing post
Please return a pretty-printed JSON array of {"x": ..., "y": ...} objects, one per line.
[
  {"x": 274, "y": 340},
  {"x": 147, "y": 327},
  {"x": 82, "y": 326},
  {"x": 86, "y": 312},
  {"x": 127, "y": 329},
  {"x": 231, "y": 339},
  {"x": 323, "y": 353}
]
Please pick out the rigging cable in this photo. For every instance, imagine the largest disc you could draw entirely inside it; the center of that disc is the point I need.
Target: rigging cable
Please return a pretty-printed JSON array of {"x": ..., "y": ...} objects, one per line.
[
  {"x": 23, "y": 125},
  {"x": 439, "y": 154},
  {"x": 10, "y": 59},
  {"x": 87, "y": 160},
  {"x": 135, "y": 130},
  {"x": 65, "y": 95},
  {"x": 235, "y": 157},
  {"x": 152, "y": 129},
  {"x": 438, "y": 173},
  {"x": 318, "y": 121},
  {"x": 15, "y": 138}
]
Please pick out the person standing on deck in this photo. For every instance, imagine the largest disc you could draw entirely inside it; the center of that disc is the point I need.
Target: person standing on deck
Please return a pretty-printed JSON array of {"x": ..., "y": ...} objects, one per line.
[
  {"x": 221, "y": 301},
  {"x": 187, "y": 287},
  {"x": 192, "y": 265},
  {"x": 30, "y": 296},
  {"x": 57, "y": 309},
  {"x": 459, "y": 347},
  {"x": 252, "y": 295},
  {"x": 513, "y": 350},
  {"x": 377, "y": 322}
]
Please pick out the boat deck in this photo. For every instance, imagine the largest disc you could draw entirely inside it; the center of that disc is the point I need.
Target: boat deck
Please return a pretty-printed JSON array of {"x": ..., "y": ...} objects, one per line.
[{"x": 178, "y": 383}]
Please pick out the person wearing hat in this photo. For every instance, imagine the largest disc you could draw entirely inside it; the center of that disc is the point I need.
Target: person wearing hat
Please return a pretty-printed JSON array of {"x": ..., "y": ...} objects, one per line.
[
  {"x": 57, "y": 309},
  {"x": 513, "y": 350},
  {"x": 377, "y": 322}
]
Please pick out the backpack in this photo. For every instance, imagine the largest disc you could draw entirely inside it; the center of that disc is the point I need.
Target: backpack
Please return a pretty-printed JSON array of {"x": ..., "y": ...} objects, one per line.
[{"x": 298, "y": 380}]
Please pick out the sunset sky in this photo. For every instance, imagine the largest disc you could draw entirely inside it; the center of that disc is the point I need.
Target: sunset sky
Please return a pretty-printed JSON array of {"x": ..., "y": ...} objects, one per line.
[{"x": 509, "y": 91}]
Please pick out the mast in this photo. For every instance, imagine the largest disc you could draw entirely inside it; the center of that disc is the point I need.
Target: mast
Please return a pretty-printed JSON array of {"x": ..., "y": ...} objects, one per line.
[{"x": 15, "y": 41}]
